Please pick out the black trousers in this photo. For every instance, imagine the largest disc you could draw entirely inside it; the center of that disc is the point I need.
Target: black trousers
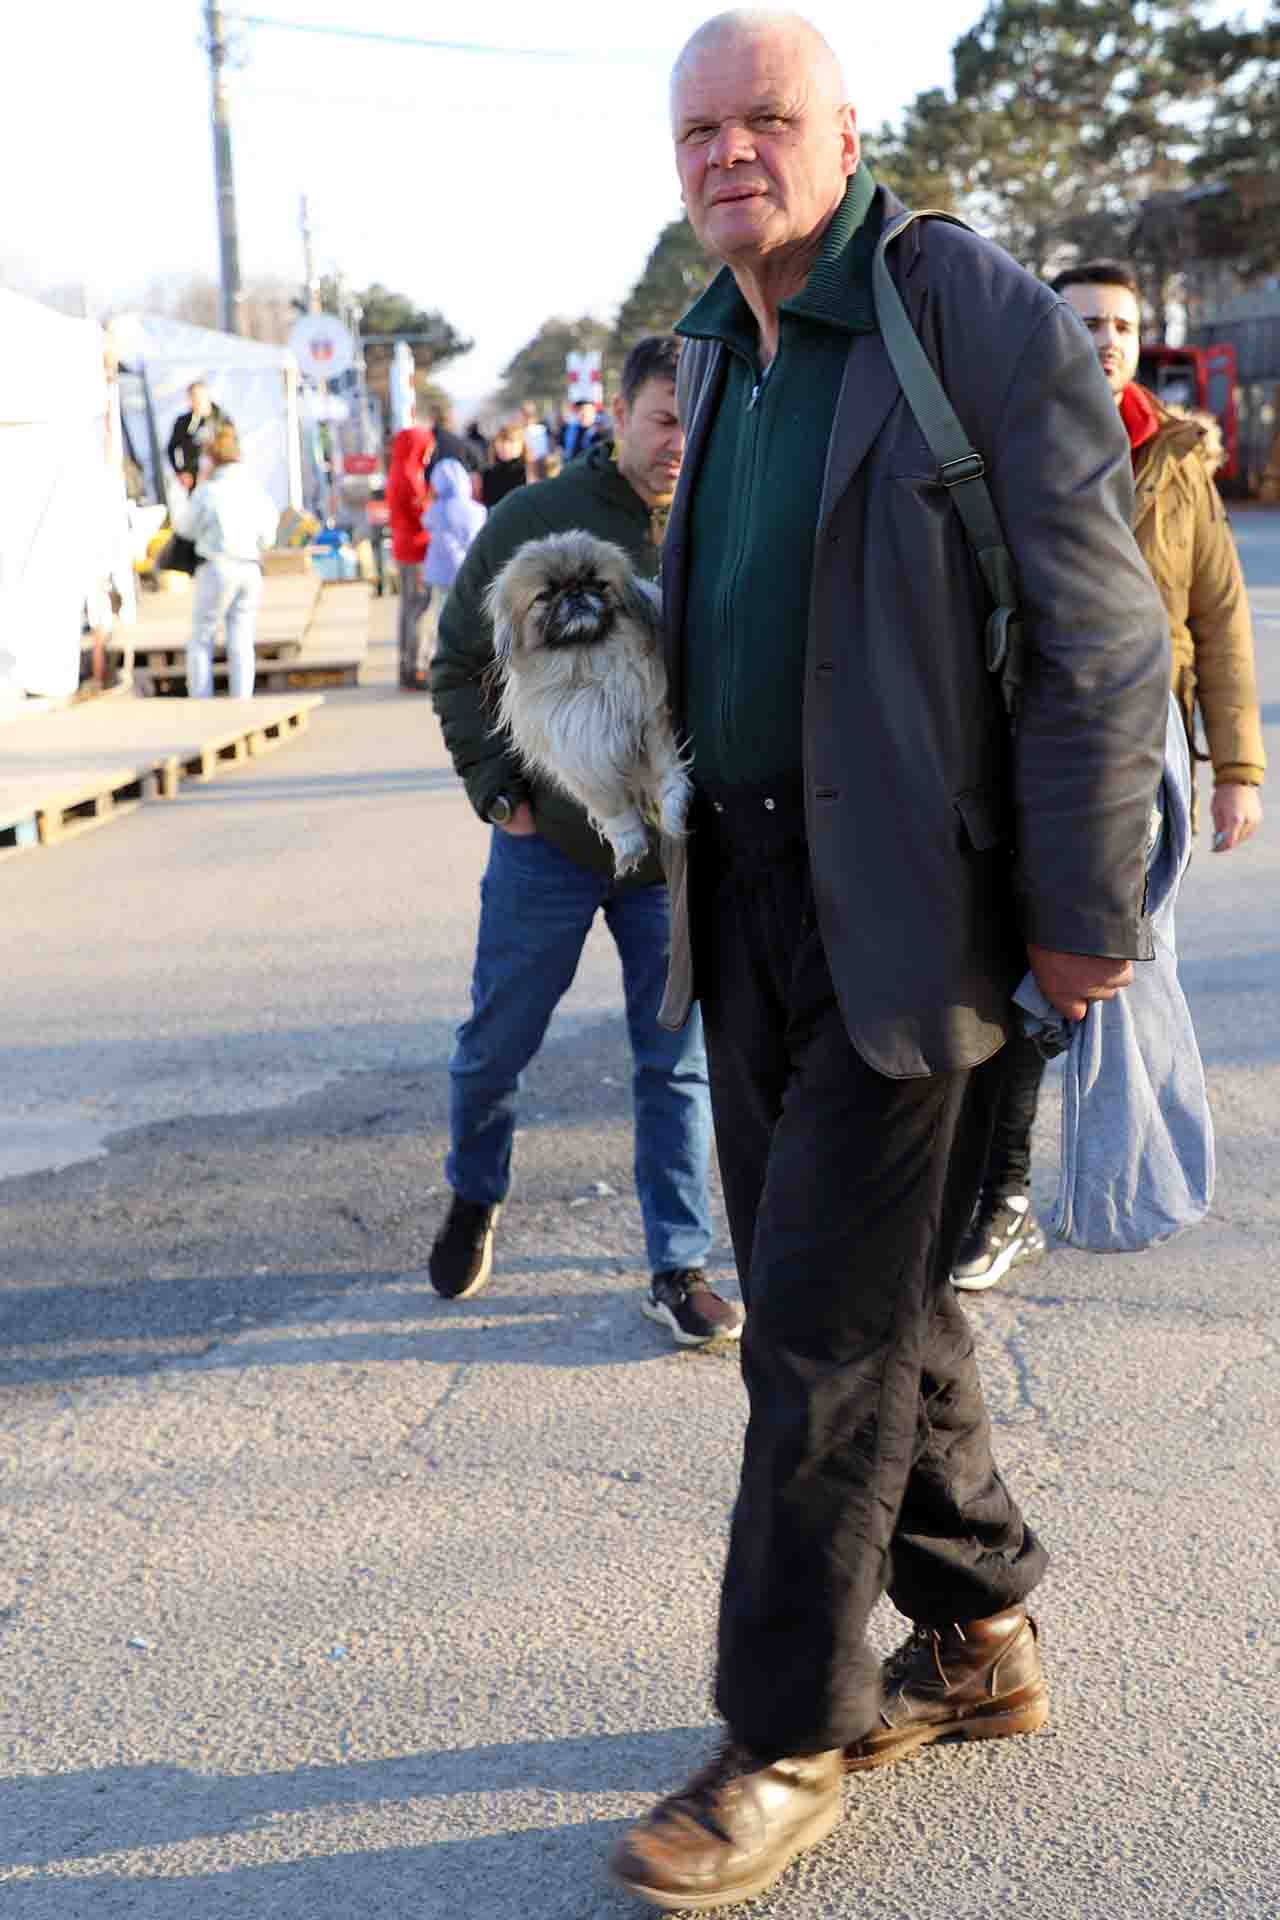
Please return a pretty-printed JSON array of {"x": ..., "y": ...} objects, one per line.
[
  {"x": 867, "y": 1464},
  {"x": 1009, "y": 1161}
]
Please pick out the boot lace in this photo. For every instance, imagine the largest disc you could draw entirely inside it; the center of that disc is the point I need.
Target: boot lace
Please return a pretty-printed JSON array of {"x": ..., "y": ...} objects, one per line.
[
  {"x": 700, "y": 1797},
  {"x": 903, "y": 1658}
]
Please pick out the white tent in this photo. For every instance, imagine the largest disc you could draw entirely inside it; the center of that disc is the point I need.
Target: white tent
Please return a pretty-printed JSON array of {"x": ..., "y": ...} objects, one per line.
[
  {"x": 256, "y": 384},
  {"x": 61, "y": 513}
]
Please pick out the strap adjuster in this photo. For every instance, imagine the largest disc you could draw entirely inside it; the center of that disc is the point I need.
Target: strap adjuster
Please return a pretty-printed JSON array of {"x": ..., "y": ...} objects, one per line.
[{"x": 955, "y": 473}]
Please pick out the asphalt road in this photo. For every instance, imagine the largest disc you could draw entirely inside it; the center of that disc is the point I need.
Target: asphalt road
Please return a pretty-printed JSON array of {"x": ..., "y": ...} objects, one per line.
[{"x": 320, "y": 1598}]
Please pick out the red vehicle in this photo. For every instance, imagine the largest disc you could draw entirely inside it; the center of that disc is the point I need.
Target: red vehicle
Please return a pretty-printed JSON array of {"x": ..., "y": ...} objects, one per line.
[{"x": 1200, "y": 377}]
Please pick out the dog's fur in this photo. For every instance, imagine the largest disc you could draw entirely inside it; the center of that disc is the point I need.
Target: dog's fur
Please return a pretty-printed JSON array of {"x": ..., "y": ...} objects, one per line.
[{"x": 583, "y": 688}]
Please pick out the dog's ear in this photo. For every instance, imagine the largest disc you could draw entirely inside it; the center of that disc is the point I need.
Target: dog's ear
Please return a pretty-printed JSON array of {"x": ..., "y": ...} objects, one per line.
[
  {"x": 642, "y": 604},
  {"x": 499, "y": 616}
]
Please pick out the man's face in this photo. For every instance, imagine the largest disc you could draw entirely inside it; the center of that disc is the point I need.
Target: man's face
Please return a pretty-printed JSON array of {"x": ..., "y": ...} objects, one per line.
[
  {"x": 650, "y": 440},
  {"x": 585, "y": 412},
  {"x": 199, "y": 394},
  {"x": 1112, "y": 317},
  {"x": 762, "y": 149}
]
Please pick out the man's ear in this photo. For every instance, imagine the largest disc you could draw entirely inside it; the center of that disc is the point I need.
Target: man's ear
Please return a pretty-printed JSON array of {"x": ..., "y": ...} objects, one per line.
[{"x": 851, "y": 145}]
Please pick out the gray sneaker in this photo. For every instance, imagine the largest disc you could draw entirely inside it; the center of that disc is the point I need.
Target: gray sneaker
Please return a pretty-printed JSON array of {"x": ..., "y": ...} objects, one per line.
[
  {"x": 681, "y": 1300},
  {"x": 1002, "y": 1234}
]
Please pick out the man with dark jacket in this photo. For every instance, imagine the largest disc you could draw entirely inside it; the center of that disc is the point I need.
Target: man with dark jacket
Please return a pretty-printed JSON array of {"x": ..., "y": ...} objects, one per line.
[
  {"x": 869, "y": 872},
  {"x": 548, "y": 875},
  {"x": 450, "y": 445},
  {"x": 193, "y": 432},
  {"x": 1185, "y": 538}
]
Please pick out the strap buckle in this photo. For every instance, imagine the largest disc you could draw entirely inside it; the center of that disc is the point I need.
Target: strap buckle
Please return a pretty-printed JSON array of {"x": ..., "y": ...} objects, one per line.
[{"x": 957, "y": 473}]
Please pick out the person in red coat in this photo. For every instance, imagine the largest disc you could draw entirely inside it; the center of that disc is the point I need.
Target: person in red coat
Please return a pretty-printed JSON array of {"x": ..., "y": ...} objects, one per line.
[{"x": 407, "y": 495}]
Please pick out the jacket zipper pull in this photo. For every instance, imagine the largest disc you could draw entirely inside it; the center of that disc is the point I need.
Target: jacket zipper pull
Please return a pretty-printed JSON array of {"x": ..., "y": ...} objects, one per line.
[{"x": 760, "y": 386}]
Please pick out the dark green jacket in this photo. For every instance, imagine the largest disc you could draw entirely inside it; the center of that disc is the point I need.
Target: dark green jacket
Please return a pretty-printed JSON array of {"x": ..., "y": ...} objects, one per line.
[
  {"x": 590, "y": 493},
  {"x": 754, "y": 510}
]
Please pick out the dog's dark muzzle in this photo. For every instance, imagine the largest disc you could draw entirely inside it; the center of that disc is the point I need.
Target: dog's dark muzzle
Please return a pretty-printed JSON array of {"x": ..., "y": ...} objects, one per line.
[{"x": 578, "y": 619}]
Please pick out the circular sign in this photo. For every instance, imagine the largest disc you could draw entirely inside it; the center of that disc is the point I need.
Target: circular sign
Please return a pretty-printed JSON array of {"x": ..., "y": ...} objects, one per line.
[{"x": 323, "y": 346}]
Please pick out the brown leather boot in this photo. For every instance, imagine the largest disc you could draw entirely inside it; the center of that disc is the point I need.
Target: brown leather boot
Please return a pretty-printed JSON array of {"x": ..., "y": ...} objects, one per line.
[
  {"x": 973, "y": 1680},
  {"x": 730, "y": 1832}
]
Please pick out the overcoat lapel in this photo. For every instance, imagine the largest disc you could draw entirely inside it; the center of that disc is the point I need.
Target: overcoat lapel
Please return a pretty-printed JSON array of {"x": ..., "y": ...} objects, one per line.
[{"x": 867, "y": 394}]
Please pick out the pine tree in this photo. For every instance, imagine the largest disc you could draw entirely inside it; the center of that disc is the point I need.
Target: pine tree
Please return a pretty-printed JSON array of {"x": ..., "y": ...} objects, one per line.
[
  {"x": 537, "y": 373},
  {"x": 674, "y": 275}
]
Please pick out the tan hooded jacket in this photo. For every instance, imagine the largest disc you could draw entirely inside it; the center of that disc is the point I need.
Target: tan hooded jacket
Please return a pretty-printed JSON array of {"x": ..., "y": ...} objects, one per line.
[{"x": 1182, "y": 530}]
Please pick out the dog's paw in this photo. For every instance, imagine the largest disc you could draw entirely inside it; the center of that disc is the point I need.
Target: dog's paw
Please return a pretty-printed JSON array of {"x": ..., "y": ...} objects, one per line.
[
  {"x": 629, "y": 848},
  {"x": 673, "y": 806}
]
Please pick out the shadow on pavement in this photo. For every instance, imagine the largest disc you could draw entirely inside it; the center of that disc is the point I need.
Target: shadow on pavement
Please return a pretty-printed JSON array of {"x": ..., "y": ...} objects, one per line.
[
  {"x": 227, "y": 1322},
  {"x": 79, "y": 1816},
  {"x": 553, "y": 1873}
]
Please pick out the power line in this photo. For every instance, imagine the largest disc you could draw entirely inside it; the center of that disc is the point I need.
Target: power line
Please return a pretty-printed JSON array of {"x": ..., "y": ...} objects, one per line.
[{"x": 588, "y": 56}]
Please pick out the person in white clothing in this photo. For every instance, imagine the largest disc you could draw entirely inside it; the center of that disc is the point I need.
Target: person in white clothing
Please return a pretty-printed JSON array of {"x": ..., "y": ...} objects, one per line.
[{"x": 231, "y": 519}]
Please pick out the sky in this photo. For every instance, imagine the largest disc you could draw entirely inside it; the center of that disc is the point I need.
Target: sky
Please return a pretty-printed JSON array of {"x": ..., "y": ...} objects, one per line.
[{"x": 526, "y": 177}]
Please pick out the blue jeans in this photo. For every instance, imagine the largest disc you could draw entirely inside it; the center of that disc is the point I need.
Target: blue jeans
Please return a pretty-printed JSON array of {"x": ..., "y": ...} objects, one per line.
[
  {"x": 536, "y": 909},
  {"x": 229, "y": 590}
]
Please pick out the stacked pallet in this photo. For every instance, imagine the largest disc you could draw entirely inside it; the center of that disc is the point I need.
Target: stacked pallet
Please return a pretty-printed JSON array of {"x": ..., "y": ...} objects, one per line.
[
  {"x": 308, "y": 634},
  {"x": 65, "y": 772}
]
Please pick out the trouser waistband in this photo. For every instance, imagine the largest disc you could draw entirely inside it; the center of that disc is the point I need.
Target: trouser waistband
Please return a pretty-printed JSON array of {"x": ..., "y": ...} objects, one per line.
[{"x": 768, "y": 814}]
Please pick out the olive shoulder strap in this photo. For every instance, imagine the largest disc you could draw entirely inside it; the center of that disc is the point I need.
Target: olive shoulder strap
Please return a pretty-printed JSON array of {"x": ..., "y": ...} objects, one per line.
[{"x": 961, "y": 468}]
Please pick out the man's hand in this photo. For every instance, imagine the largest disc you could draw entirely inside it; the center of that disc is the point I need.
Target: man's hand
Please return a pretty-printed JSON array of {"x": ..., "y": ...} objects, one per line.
[
  {"x": 1237, "y": 812},
  {"x": 1069, "y": 981},
  {"x": 521, "y": 821}
]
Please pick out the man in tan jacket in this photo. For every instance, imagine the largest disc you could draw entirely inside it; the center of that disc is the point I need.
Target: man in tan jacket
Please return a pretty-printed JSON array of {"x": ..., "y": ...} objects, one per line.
[{"x": 1185, "y": 539}]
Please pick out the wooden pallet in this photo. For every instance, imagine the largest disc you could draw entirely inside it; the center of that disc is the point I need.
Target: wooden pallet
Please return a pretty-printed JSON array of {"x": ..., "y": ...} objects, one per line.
[
  {"x": 45, "y": 797},
  {"x": 336, "y": 670},
  {"x": 232, "y": 748},
  {"x": 332, "y": 620},
  {"x": 105, "y": 795},
  {"x": 170, "y": 656}
]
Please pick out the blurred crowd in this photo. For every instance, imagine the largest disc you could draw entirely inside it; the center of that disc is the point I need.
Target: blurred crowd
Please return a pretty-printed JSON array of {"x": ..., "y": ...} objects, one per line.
[{"x": 431, "y": 465}]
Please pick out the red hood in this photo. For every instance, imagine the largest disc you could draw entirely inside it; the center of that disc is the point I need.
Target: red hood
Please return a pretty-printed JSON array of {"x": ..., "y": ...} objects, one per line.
[
  {"x": 407, "y": 493},
  {"x": 411, "y": 446},
  {"x": 1138, "y": 411}
]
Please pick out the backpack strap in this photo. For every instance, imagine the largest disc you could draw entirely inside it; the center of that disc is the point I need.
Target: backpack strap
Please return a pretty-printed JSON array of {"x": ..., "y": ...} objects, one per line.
[{"x": 961, "y": 468}]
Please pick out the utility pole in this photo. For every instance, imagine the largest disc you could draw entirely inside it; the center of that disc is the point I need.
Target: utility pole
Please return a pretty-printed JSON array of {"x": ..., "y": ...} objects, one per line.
[
  {"x": 228, "y": 236},
  {"x": 312, "y": 287}
]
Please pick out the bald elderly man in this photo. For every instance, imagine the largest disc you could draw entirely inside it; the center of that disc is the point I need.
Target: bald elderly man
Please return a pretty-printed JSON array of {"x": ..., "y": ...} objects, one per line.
[{"x": 869, "y": 872}]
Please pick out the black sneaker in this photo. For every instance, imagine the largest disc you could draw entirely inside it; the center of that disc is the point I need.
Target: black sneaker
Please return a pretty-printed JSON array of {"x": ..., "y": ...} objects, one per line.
[
  {"x": 462, "y": 1257},
  {"x": 1003, "y": 1233},
  {"x": 681, "y": 1300}
]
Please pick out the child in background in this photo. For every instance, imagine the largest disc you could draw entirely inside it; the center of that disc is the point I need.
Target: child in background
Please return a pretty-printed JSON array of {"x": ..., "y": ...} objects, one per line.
[{"x": 453, "y": 520}]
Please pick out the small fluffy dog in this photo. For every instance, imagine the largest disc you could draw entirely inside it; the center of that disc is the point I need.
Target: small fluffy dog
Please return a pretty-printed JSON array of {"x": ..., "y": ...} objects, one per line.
[{"x": 583, "y": 688}]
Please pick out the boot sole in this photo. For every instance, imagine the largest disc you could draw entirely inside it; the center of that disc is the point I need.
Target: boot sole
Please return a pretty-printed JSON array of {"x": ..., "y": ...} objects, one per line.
[
  {"x": 817, "y": 1829},
  {"x": 483, "y": 1272},
  {"x": 665, "y": 1318},
  {"x": 1025, "y": 1712}
]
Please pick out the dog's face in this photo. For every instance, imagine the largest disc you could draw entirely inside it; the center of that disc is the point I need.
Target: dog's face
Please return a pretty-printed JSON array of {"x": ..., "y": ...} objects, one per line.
[{"x": 568, "y": 591}]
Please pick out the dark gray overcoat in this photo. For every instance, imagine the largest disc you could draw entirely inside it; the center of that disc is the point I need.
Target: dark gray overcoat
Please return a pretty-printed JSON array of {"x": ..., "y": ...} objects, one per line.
[{"x": 936, "y": 853}]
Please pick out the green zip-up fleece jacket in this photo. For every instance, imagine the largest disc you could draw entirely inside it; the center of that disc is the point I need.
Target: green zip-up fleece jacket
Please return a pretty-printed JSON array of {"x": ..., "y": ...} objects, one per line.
[
  {"x": 591, "y": 494},
  {"x": 754, "y": 510}
]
